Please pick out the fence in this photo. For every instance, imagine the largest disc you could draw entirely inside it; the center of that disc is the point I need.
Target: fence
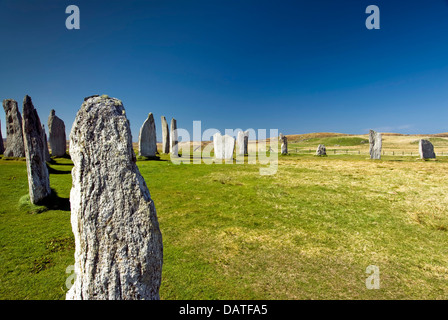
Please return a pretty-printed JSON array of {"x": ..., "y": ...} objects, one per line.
[{"x": 362, "y": 152}]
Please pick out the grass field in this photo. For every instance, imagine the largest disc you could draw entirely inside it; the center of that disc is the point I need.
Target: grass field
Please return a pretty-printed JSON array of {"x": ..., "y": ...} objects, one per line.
[{"x": 308, "y": 232}]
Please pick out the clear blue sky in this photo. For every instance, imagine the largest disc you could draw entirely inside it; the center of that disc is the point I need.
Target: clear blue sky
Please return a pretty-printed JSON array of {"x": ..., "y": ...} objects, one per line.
[{"x": 298, "y": 66}]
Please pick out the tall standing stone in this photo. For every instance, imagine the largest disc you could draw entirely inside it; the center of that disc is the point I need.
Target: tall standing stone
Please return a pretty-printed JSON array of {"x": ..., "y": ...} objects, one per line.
[
  {"x": 165, "y": 136},
  {"x": 375, "y": 141},
  {"x": 242, "y": 142},
  {"x": 223, "y": 146},
  {"x": 118, "y": 244},
  {"x": 2, "y": 148},
  {"x": 46, "y": 152},
  {"x": 174, "y": 147},
  {"x": 284, "y": 140},
  {"x": 426, "y": 149},
  {"x": 147, "y": 140},
  {"x": 321, "y": 150},
  {"x": 14, "y": 133},
  {"x": 38, "y": 178},
  {"x": 56, "y": 132}
]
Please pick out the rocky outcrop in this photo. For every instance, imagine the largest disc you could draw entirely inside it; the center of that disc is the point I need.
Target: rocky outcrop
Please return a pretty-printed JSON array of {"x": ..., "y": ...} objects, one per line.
[
  {"x": 38, "y": 178},
  {"x": 147, "y": 140},
  {"x": 14, "y": 133},
  {"x": 118, "y": 244},
  {"x": 57, "y": 138}
]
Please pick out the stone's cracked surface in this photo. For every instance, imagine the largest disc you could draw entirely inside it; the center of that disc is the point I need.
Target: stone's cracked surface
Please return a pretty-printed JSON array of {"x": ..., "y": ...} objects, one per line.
[
  {"x": 375, "y": 141},
  {"x": 14, "y": 135},
  {"x": 118, "y": 244},
  {"x": 36, "y": 167},
  {"x": 147, "y": 140},
  {"x": 57, "y": 137}
]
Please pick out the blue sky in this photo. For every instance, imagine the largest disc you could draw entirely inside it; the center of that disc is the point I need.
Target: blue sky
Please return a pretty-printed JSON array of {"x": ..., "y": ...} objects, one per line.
[{"x": 296, "y": 66}]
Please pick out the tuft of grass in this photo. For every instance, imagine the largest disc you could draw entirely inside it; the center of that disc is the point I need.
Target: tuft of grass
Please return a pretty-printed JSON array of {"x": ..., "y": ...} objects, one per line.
[{"x": 26, "y": 206}]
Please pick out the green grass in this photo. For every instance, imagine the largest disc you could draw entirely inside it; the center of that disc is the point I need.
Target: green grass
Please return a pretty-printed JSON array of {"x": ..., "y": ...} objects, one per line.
[
  {"x": 308, "y": 232},
  {"x": 438, "y": 142},
  {"x": 330, "y": 142}
]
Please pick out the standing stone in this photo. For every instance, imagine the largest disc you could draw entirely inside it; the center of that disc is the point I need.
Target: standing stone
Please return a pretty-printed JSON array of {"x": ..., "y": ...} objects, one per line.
[
  {"x": 426, "y": 149},
  {"x": 2, "y": 148},
  {"x": 14, "y": 133},
  {"x": 174, "y": 147},
  {"x": 165, "y": 136},
  {"x": 242, "y": 142},
  {"x": 284, "y": 141},
  {"x": 56, "y": 132},
  {"x": 38, "y": 178},
  {"x": 375, "y": 141},
  {"x": 223, "y": 146},
  {"x": 147, "y": 141},
  {"x": 46, "y": 152},
  {"x": 118, "y": 244},
  {"x": 321, "y": 150}
]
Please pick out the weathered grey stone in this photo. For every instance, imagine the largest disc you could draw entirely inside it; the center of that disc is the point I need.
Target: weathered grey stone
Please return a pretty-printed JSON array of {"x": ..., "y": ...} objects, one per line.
[
  {"x": 2, "y": 148},
  {"x": 174, "y": 143},
  {"x": 147, "y": 140},
  {"x": 46, "y": 152},
  {"x": 56, "y": 132},
  {"x": 426, "y": 149},
  {"x": 321, "y": 150},
  {"x": 165, "y": 136},
  {"x": 242, "y": 142},
  {"x": 223, "y": 146},
  {"x": 14, "y": 133},
  {"x": 118, "y": 244},
  {"x": 38, "y": 178},
  {"x": 284, "y": 141},
  {"x": 375, "y": 141}
]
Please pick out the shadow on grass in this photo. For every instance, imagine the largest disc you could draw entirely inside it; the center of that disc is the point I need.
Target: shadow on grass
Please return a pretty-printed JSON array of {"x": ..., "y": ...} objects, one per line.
[
  {"x": 65, "y": 156},
  {"x": 155, "y": 158},
  {"x": 52, "y": 202},
  {"x": 54, "y": 171}
]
